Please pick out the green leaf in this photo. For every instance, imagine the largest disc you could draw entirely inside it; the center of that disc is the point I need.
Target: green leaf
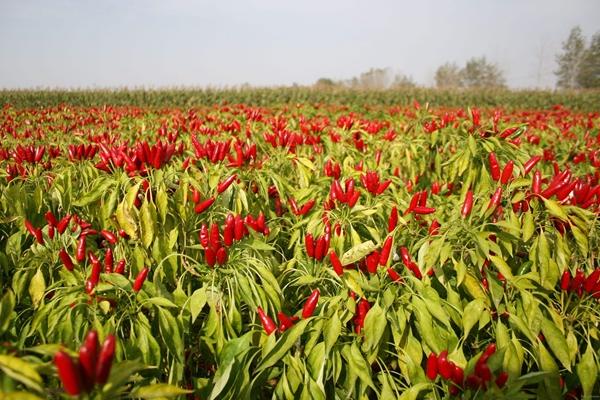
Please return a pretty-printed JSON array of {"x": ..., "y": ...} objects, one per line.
[
  {"x": 169, "y": 330},
  {"x": 528, "y": 226},
  {"x": 197, "y": 302},
  {"x": 257, "y": 244},
  {"x": 503, "y": 267},
  {"x": 7, "y": 305},
  {"x": 162, "y": 204},
  {"x": 555, "y": 209},
  {"x": 374, "y": 327},
  {"x": 99, "y": 188},
  {"x": 147, "y": 223},
  {"x": 159, "y": 390},
  {"x": 357, "y": 364},
  {"x": 37, "y": 287},
  {"x": 126, "y": 220},
  {"x": 587, "y": 370},
  {"x": 21, "y": 371},
  {"x": 471, "y": 315},
  {"x": 557, "y": 342},
  {"x": 358, "y": 252},
  {"x": 283, "y": 345}
]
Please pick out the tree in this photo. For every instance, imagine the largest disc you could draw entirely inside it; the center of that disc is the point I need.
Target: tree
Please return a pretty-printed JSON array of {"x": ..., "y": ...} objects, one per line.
[
  {"x": 479, "y": 73},
  {"x": 325, "y": 83},
  {"x": 448, "y": 76},
  {"x": 588, "y": 74},
  {"x": 403, "y": 81},
  {"x": 375, "y": 78},
  {"x": 570, "y": 60}
]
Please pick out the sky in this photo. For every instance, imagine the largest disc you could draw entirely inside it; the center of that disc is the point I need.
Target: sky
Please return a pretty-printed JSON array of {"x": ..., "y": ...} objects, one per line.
[{"x": 220, "y": 43}]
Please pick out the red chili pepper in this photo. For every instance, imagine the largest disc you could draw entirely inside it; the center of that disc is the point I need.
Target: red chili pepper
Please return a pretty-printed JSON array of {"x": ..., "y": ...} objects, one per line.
[
  {"x": 372, "y": 262},
  {"x": 320, "y": 248},
  {"x": 221, "y": 255},
  {"x": 405, "y": 256},
  {"x": 501, "y": 379},
  {"x": 203, "y": 236},
  {"x": 336, "y": 263},
  {"x": 294, "y": 206},
  {"x": 530, "y": 164},
  {"x": 80, "y": 251},
  {"x": 353, "y": 199},
  {"x": 35, "y": 232},
  {"x": 68, "y": 373},
  {"x": 577, "y": 282},
  {"x": 210, "y": 256},
  {"x": 591, "y": 281},
  {"x": 445, "y": 367},
  {"x": 393, "y": 219},
  {"x": 309, "y": 244},
  {"x": 226, "y": 183},
  {"x": 238, "y": 228},
  {"x": 203, "y": 206},
  {"x": 310, "y": 304},
  {"x": 266, "y": 321},
  {"x": 96, "y": 269},
  {"x": 394, "y": 276},
  {"x": 307, "y": 207},
  {"x": 434, "y": 228},
  {"x": 423, "y": 210},
  {"x": 467, "y": 204},
  {"x": 109, "y": 236},
  {"x": 458, "y": 375},
  {"x": 108, "y": 261},
  {"x": 565, "y": 280},
  {"x": 285, "y": 322},
  {"x": 66, "y": 259},
  {"x": 386, "y": 250},
  {"x": 483, "y": 371},
  {"x": 88, "y": 357},
  {"x": 422, "y": 198},
  {"x": 214, "y": 237},
  {"x": 496, "y": 198},
  {"x": 536, "y": 183},
  {"x": 140, "y": 278},
  {"x": 195, "y": 195},
  {"x": 494, "y": 166},
  {"x": 507, "y": 172},
  {"x": 105, "y": 359},
  {"x": 50, "y": 218},
  {"x": 120, "y": 268},
  {"x": 432, "y": 367},
  {"x": 228, "y": 230}
]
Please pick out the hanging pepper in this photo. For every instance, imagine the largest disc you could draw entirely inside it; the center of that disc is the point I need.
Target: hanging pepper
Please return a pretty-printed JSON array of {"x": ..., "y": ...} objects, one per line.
[
  {"x": 530, "y": 164},
  {"x": 467, "y": 204},
  {"x": 266, "y": 321},
  {"x": 507, "y": 172},
  {"x": 494, "y": 166},
  {"x": 336, "y": 263},
  {"x": 393, "y": 219},
  {"x": 203, "y": 206},
  {"x": 66, "y": 259},
  {"x": 105, "y": 359},
  {"x": 226, "y": 183},
  {"x": 68, "y": 373},
  {"x": 385, "y": 251},
  {"x": 139, "y": 279},
  {"x": 88, "y": 357},
  {"x": 109, "y": 236},
  {"x": 495, "y": 200},
  {"x": 310, "y": 304}
]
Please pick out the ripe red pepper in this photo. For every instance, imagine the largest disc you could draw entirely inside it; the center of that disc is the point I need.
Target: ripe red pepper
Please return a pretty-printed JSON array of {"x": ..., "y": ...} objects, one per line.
[
  {"x": 494, "y": 166},
  {"x": 536, "y": 183},
  {"x": 210, "y": 257},
  {"x": 496, "y": 198},
  {"x": 266, "y": 321},
  {"x": 88, "y": 357},
  {"x": 35, "y": 232},
  {"x": 386, "y": 250},
  {"x": 109, "y": 236},
  {"x": 565, "y": 280},
  {"x": 226, "y": 183},
  {"x": 285, "y": 322},
  {"x": 105, "y": 359},
  {"x": 501, "y": 379},
  {"x": 423, "y": 210},
  {"x": 372, "y": 262},
  {"x": 467, "y": 204},
  {"x": 68, "y": 373},
  {"x": 577, "y": 282},
  {"x": 203, "y": 206},
  {"x": 120, "y": 268},
  {"x": 238, "y": 229},
  {"x": 108, "y": 261},
  {"x": 214, "y": 237},
  {"x": 66, "y": 259},
  {"x": 394, "y": 276},
  {"x": 63, "y": 223},
  {"x": 445, "y": 367},
  {"x": 434, "y": 228},
  {"x": 393, "y": 219},
  {"x": 80, "y": 251},
  {"x": 310, "y": 304},
  {"x": 294, "y": 206},
  {"x": 530, "y": 164},
  {"x": 320, "y": 248},
  {"x": 50, "y": 218},
  {"x": 591, "y": 281},
  {"x": 307, "y": 207},
  {"x": 203, "y": 236},
  {"x": 336, "y": 263},
  {"x": 140, "y": 278},
  {"x": 507, "y": 172},
  {"x": 96, "y": 269},
  {"x": 309, "y": 244},
  {"x": 432, "y": 367},
  {"x": 458, "y": 375},
  {"x": 221, "y": 256},
  {"x": 228, "y": 230}
]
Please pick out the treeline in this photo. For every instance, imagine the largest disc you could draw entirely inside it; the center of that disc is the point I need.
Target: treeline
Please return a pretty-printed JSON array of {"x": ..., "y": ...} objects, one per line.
[{"x": 509, "y": 99}]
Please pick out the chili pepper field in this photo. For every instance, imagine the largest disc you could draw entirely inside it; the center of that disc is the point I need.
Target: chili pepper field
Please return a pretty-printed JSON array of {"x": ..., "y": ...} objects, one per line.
[{"x": 299, "y": 251}]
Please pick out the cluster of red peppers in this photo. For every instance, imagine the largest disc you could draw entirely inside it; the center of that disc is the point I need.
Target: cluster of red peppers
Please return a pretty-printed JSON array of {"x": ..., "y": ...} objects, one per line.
[
  {"x": 136, "y": 159},
  {"x": 332, "y": 169},
  {"x": 243, "y": 154},
  {"x": 362, "y": 308},
  {"x": 82, "y": 151},
  {"x": 301, "y": 210},
  {"x": 286, "y": 321},
  {"x": 439, "y": 365},
  {"x": 212, "y": 151},
  {"x": 348, "y": 195},
  {"x": 418, "y": 204},
  {"x": 91, "y": 368},
  {"x": 371, "y": 182},
  {"x": 580, "y": 283},
  {"x": 318, "y": 247}
]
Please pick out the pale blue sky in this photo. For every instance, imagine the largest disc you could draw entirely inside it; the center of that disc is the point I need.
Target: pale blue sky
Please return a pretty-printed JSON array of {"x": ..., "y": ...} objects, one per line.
[{"x": 152, "y": 43}]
